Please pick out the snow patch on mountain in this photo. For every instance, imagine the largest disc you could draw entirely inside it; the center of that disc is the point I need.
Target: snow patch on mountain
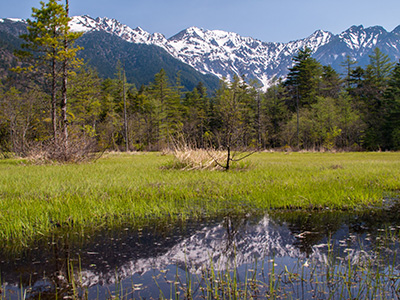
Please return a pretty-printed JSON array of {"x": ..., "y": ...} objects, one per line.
[
  {"x": 15, "y": 20},
  {"x": 357, "y": 38},
  {"x": 112, "y": 26},
  {"x": 82, "y": 24}
]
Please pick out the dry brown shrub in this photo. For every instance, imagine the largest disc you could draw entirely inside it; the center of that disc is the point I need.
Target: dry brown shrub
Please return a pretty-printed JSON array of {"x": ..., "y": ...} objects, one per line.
[
  {"x": 190, "y": 158},
  {"x": 80, "y": 147}
]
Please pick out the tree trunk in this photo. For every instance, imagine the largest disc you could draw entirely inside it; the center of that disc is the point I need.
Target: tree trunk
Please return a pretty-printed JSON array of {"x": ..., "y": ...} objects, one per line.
[
  {"x": 228, "y": 159},
  {"x": 64, "y": 116},
  {"x": 54, "y": 99},
  {"x": 125, "y": 115},
  {"x": 298, "y": 118}
]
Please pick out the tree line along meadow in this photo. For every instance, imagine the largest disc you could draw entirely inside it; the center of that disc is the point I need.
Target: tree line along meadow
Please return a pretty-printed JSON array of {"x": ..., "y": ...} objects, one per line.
[{"x": 55, "y": 105}]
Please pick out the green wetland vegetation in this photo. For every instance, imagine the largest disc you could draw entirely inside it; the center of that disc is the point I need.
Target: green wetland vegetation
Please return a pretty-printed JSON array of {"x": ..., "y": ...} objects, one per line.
[
  {"x": 132, "y": 226},
  {"x": 138, "y": 188}
]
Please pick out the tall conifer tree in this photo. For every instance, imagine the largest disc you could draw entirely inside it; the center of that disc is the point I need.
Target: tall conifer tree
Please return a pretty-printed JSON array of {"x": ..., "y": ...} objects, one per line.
[{"x": 49, "y": 36}]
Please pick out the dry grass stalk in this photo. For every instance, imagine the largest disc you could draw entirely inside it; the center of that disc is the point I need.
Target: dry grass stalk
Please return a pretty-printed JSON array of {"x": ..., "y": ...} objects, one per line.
[{"x": 190, "y": 158}]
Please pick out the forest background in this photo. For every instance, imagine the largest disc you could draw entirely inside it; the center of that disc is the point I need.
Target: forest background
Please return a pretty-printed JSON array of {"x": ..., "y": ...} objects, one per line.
[{"x": 56, "y": 104}]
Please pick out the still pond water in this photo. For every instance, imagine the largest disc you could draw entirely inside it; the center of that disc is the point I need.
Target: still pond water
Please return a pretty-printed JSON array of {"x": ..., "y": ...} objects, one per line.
[{"x": 287, "y": 255}]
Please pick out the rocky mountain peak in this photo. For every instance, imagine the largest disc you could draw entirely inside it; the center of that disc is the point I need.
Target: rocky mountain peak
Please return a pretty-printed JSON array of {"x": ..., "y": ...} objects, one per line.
[{"x": 396, "y": 30}]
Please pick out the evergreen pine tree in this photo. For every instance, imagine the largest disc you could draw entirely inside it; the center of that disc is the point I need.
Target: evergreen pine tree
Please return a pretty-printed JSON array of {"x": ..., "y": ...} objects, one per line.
[
  {"x": 303, "y": 83},
  {"x": 48, "y": 33},
  {"x": 392, "y": 119},
  {"x": 376, "y": 80},
  {"x": 348, "y": 65}
]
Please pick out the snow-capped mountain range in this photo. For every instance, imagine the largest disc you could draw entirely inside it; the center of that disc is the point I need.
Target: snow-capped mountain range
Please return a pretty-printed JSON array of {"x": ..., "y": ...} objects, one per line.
[{"x": 226, "y": 53}]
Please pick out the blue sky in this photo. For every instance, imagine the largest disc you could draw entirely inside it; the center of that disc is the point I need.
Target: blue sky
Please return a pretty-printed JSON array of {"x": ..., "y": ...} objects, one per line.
[{"x": 267, "y": 20}]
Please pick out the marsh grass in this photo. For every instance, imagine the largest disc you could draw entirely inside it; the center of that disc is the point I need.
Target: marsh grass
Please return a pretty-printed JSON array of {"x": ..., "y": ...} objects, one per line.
[{"x": 39, "y": 200}]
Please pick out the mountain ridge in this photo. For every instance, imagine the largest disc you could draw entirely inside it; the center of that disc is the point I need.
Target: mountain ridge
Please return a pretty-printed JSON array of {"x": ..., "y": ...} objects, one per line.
[{"x": 225, "y": 54}]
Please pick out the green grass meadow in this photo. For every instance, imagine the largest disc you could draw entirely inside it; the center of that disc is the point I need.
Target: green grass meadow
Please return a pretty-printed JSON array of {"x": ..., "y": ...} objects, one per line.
[{"x": 36, "y": 200}]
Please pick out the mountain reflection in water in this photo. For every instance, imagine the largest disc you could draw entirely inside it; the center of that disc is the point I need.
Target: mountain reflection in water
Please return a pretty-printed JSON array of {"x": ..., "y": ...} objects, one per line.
[{"x": 107, "y": 258}]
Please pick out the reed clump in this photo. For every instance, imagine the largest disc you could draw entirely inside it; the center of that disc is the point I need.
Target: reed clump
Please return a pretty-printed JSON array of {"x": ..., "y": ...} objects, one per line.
[
  {"x": 190, "y": 158},
  {"x": 187, "y": 157}
]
